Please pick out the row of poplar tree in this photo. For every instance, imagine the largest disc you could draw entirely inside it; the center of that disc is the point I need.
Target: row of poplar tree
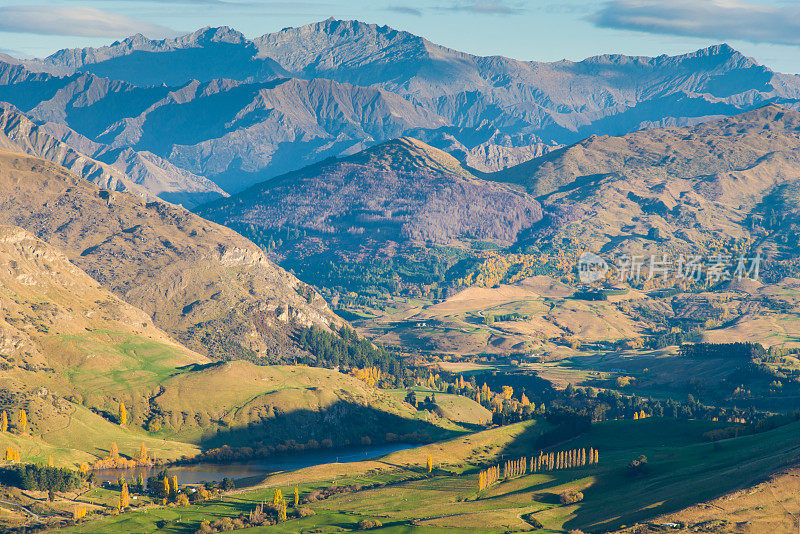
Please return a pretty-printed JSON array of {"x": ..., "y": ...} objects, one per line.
[{"x": 552, "y": 461}]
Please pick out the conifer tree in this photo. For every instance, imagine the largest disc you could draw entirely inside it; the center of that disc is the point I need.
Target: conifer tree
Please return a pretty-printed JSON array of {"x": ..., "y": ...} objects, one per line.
[
  {"x": 583, "y": 457},
  {"x": 4, "y": 422},
  {"x": 123, "y": 414},
  {"x": 22, "y": 421}
]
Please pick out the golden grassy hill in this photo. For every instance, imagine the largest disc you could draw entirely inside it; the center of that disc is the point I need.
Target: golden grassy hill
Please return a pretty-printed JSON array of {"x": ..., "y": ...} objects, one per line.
[
  {"x": 210, "y": 288},
  {"x": 70, "y": 351}
]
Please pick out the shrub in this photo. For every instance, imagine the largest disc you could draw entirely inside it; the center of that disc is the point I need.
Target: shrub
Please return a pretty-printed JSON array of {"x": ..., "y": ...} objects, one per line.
[
  {"x": 638, "y": 466},
  {"x": 367, "y": 524},
  {"x": 304, "y": 511},
  {"x": 570, "y": 497}
]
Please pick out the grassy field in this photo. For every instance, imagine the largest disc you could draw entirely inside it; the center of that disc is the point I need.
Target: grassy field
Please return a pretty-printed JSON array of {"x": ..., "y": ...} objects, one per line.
[
  {"x": 682, "y": 470},
  {"x": 458, "y": 324},
  {"x": 453, "y": 407},
  {"x": 76, "y": 435}
]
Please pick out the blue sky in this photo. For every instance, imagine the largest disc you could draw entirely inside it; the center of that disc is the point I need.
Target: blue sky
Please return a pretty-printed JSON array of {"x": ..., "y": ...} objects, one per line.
[{"x": 544, "y": 30}]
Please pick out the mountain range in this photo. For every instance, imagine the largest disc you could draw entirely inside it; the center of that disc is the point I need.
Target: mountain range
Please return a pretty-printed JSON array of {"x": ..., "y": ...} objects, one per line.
[{"x": 214, "y": 112}]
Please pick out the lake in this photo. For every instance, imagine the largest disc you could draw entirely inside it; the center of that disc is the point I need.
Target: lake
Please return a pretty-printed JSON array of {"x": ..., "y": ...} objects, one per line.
[{"x": 208, "y": 472}]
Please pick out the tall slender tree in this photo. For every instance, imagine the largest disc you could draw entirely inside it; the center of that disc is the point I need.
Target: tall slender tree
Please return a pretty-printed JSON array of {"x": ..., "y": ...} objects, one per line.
[
  {"x": 124, "y": 497},
  {"x": 22, "y": 421},
  {"x": 123, "y": 414}
]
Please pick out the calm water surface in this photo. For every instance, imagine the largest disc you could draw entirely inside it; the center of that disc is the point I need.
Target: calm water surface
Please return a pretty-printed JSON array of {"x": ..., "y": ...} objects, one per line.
[{"x": 208, "y": 472}]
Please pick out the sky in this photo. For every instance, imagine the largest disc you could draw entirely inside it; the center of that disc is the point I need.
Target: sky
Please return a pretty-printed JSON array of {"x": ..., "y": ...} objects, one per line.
[{"x": 541, "y": 30}]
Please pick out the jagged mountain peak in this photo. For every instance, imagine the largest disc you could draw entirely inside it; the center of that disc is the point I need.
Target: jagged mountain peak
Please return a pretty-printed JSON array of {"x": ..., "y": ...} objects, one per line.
[
  {"x": 709, "y": 58},
  {"x": 210, "y": 34}
]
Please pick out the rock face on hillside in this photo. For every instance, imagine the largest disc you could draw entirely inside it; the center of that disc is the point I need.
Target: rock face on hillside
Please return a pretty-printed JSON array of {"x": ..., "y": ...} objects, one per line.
[
  {"x": 295, "y": 97},
  {"x": 207, "y": 286},
  {"x": 45, "y": 295},
  {"x": 401, "y": 191}
]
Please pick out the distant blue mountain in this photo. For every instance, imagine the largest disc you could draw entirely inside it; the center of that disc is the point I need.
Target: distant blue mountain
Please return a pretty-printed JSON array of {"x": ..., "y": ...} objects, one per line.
[{"x": 240, "y": 111}]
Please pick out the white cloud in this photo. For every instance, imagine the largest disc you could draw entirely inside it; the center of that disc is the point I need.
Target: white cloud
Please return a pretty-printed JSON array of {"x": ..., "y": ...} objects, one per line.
[
  {"x": 757, "y": 22},
  {"x": 488, "y": 7},
  {"x": 405, "y": 10},
  {"x": 77, "y": 20}
]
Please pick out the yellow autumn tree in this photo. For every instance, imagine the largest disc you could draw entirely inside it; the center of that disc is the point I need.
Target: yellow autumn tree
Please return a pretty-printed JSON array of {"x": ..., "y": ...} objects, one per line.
[
  {"x": 143, "y": 458},
  {"x": 508, "y": 392},
  {"x": 430, "y": 463},
  {"x": 282, "y": 510},
  {"x": 124, "y": 497},
  {"x": 277, "y": 497},
  {"x": 296, "y": 497},
  {"x": 113, "y": 451},
  {"x": 50, "y": 461},
  {"x": 78, "y": 512},
  {"x": 123, "y": 414},
  {"x": 22, "y": 421},
  {"x": 4, "y": 422}
]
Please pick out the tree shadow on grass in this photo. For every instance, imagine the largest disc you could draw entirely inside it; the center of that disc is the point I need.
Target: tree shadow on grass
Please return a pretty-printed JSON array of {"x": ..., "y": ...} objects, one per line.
[
  {"x": 343, "y": 423},
  {"x": 697, "y": 472}
]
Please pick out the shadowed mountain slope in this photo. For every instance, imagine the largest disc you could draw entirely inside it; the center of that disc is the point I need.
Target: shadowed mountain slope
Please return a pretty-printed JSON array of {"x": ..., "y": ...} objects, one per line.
[{"x": 141, "y": 173}]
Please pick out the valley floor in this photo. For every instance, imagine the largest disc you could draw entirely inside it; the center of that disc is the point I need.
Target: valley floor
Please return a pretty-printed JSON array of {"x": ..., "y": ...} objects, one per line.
[{"x": 682, "y": 469}]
